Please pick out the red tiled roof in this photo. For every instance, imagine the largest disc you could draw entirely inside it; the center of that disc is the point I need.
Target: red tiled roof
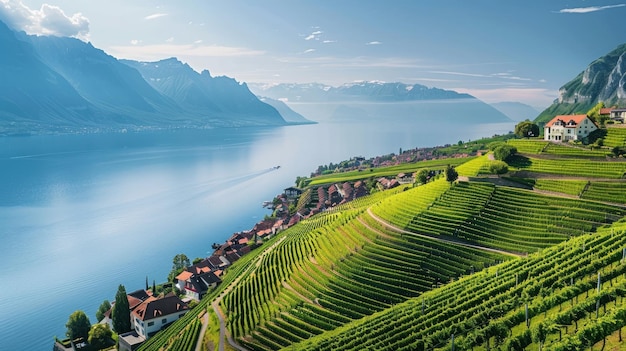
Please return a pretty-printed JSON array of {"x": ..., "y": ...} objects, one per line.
[
  {"x": 606, "y": 110},
  {"x": 184, "y": 275},
  {"x": 566, "y": 119}
]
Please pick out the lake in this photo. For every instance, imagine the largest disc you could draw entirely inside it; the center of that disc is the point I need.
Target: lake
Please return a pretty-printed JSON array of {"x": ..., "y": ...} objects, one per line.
[{"x": 81, "y": 214}]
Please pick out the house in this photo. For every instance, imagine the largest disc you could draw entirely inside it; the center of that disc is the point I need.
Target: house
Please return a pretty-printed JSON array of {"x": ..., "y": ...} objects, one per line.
[
  {"x": 197, "y": 285},
  {"x": 155, "y": 314},
  {"x": 134, "y": 298},
  {"x": 293, "y": 192},
  {"x": 618, "y": 114},
  {"x": 568, "y": 127}
]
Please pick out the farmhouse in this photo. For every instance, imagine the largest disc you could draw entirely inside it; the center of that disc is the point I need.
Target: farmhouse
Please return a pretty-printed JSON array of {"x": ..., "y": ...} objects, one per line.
[
  {"x": 568, "y": 127},
  {"x": 156, "y": 313},
  {"x": 618, "y": 114}
]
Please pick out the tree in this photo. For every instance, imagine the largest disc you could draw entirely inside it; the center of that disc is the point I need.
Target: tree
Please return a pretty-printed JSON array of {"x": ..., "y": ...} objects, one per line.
[
  {"x": 100, "y": 336},
  {"x": 104, "y": 306},
  {"x": 179, "y": 263},
  {"x": 78, "y": 325},
  {"x": 594, "y": 113},
  {"x": 422, "y": 176},
  {"x": 504, "y": 152},
  {"x": 121, "y": 311},
  {"x": 451, "y": 174},
  {"x": 527, "y": 129},
  {"x": 498, "y": 167}
]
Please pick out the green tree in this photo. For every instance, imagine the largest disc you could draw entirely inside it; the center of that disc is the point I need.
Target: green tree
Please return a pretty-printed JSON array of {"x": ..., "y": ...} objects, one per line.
[
  {"x": 100, "y": 336},
  {"x": 104, "y": 306},
  {"x": 78, "y": 325},
  {"x": 451, "y": 174},
  {"x": 504, "y": 152},
  {"x": 179, "y": 263},
  {"x": 121, "y": 311},
  {"x": 422, "y": 176},
  {"x": 526, "y": 129},
  {"x": 498, "y": 167},
  {"x": 594, "y": 113}
]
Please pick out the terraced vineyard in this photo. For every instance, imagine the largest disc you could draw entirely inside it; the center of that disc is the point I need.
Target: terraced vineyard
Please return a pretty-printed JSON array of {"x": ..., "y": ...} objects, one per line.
[
  {"x": 571, "y": 167},
  {"x": 323, "y": 276},
  {"x": 536, "y": 147},
  {"x": 559, "y": 286},
  {"x": 406, "y": 269},
  {"x": 386, "y": 171},
  {"x": 496, "y": 217},
  {"x": 615, "y": 137}
]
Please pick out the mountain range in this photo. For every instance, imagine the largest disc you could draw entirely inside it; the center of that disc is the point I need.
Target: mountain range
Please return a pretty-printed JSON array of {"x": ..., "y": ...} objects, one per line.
[
  {"x": 604, "y": 80},
  {"x": 64, "y": 85},
  {"x": 380, "y": 100},
  {"x": 59, "y": 84}
]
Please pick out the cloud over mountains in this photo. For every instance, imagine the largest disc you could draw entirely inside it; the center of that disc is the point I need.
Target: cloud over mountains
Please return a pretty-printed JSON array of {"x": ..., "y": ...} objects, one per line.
[{"x": 47, "y": 20}]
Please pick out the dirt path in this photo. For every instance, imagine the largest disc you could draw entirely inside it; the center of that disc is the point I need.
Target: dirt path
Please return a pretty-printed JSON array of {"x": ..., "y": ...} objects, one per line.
[
  {"x": 205, "y": 324},
  {"x": 453, "y": 242}
]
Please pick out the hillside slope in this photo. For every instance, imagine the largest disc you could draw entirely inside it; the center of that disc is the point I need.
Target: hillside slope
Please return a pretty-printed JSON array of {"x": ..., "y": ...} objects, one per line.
[
  {"x": 404, "y": 269},
  {"x": 604, "y": 80}
]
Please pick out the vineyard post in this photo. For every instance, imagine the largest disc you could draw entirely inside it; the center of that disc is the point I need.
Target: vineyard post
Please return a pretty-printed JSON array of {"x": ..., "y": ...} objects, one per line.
[
  {"x": 527, "y": 321},
  {"x": 599, "y": 283},
  {"x": 452, "y": 342}
]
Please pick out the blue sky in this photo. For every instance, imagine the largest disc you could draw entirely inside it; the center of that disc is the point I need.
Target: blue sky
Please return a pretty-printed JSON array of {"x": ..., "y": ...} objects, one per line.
[{"x": 496, "y": 50}]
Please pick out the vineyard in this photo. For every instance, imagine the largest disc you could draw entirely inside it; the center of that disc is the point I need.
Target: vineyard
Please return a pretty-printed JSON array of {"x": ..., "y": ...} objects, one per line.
[{"x": 469, "y": 265}]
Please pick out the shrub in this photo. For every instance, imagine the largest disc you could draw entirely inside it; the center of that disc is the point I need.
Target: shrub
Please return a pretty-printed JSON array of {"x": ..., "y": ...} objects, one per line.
[
  {"x": 503, "y": 152},
  {"x": 498, "y": 167}
]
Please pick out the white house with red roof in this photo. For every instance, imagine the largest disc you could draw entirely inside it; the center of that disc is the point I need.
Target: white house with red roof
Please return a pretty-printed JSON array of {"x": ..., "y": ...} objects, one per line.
[
  {"x": 155, "y": 313},
  {"x": 568, "y": 127}
]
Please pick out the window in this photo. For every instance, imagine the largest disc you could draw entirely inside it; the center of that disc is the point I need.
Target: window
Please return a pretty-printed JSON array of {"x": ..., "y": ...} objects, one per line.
[
  {"x": 569, "y": 131},
  {"x": 150, "y": 324},
  {"x": 164, "y": 320}
]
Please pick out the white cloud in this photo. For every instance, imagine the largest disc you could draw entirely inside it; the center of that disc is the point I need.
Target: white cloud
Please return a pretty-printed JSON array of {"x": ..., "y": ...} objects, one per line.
[
  {"x": 373, "y": 43},
  {"x": 135, "y": 42},
  {"x": 160, "y": 51},
  {"x": 314, "y": 36},
  {"x": 48, "y": 20},
  {"x": 308, "y": 51},
  {"x": 155, "y": 16},
  {"x": 199, "y": 41},
  {"x": 169, "y": 40},
  {"x": 329, "y": 41},
  {"x": 590, "y": 9}
]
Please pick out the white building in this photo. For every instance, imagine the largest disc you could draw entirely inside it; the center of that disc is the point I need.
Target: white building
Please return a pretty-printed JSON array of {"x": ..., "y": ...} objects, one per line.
[
  {"x": 568, "y": 127},
  {"x": 155, "y": 314}
]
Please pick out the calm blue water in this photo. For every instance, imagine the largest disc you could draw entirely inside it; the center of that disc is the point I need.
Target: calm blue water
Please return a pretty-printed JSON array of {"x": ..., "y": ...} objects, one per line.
[{"x": 81, "y": 214}]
